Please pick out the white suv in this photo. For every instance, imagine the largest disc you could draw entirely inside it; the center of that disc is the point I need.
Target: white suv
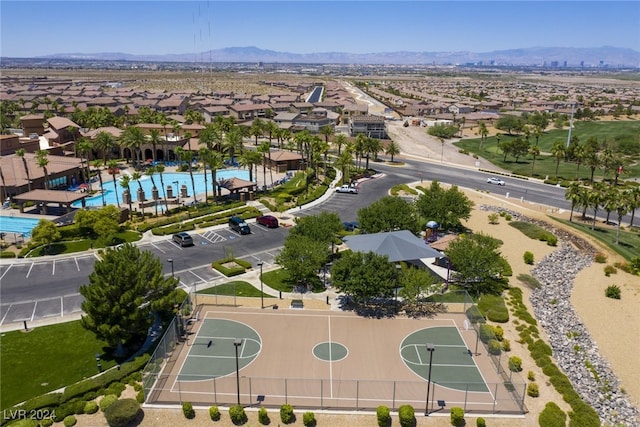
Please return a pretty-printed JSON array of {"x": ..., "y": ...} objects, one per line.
[{"x": 347, "y": 189}]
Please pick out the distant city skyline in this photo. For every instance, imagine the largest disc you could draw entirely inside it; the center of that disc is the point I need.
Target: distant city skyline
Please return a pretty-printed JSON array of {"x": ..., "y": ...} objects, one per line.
[{"x": 155, "y": 27}]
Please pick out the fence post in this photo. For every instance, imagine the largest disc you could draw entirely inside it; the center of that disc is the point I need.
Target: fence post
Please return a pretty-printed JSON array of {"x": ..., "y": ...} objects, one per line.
[
  {"x": 357, "y": 394},
  {"x": 393, "y": 400},
  {"x": 466, "y": 392},
  {"x": 215, "y": 393},
  {"x": 495, "y": 399},
  {"x": 321, "y": 394},
  {"x": 286, "y": 397},
  {"x": 250, "y": 394}
]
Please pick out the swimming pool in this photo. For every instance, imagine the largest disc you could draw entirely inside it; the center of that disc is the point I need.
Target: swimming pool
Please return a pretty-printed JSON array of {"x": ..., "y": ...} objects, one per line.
[
  {"x": 169, "y": 178},
  {"x": 17, "y": 224}
]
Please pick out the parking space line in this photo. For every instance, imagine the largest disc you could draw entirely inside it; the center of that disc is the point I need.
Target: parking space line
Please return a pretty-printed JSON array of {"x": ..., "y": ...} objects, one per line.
[
  {"x": 6, "y": 314},
  {"x": 61, "y": 306},
  {"x": 53, "y": 267},
  {"x": 76, "y": 261},
  {"x": 200, "y": 278},
  {"x": 29, "y": 272},
  {"x": 6, "y": 271},
  {"x": 34, "y": 311},
  {"x": 158, "y": 248}
]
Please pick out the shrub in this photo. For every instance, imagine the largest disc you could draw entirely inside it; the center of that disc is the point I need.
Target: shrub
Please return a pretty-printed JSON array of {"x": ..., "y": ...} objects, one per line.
[
  {"x": 532, "y": 390},
  {"x": 600, "y": 258},
  {"x": 528, "y": 258},
  {"x": 457, "y": 416},
  {"x": 406, "y": 416},
  {"x": 116, "y": 388},
  {"x": 609, "y": 270},
  {"x": 613, "y": 291},
  {"x": 122, "y": 412},
  {"x": 493, "y": 218},
  {"x": 107, "y": 401},
  {"x": 237, "y": 415},
  {"x": 552, "y": 416},
  {"x": 480, "y": 422},
  {"x": 69, "y": 421},
  {"x": 140, "y": 396},
  {"x": 47, "y": 422},
  {"x": 188, "y": 411},
  {"x": 25, "y": 422},
  {"x": 486, "y": 333},
  {"x": 286, "y": 414},
  {"x": 263, "y": 416},
  {"x": 214, "y": 413},
  {"x": 494, "y": 347},
  {"x": 498, "y": 332},
  {"x": 90, "y": 407},
  {"x": 531, "y": 376},
  {"x": 308, "y": 419},
  {"x": 506, "y": 345},
  {"x": 515, "y": 364},
  {"x": 552, "y": 240},
  {"x": 383, "y": 416}
]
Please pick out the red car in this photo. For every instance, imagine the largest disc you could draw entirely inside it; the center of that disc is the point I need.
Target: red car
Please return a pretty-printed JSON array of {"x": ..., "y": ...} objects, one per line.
[{"x": 268, "y": 221}]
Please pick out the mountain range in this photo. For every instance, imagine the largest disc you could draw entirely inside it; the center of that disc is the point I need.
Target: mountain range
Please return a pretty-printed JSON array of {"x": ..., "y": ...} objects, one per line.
[{"x": 534, "y": 56}]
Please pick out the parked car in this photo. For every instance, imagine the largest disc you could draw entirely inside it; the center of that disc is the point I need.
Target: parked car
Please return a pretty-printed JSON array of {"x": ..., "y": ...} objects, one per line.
[
  {"x": 268, "y": 221},
  {"x": 239, "y": 225},
  {"x": 494, "y": 180},
  {"x": 350, "y": 225},
  {"x": 183, "y": 239},
  {"x": 347, "y": 189}
]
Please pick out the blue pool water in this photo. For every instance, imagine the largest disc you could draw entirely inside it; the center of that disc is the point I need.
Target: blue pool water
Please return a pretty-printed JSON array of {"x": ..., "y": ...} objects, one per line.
[
  {"x": 169, "y": 179},
  {"x": 16, "y": 224}
]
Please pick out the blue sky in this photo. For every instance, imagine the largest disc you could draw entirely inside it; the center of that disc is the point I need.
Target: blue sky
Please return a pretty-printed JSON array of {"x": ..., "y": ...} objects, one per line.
[{"x": 33, "y": 28}]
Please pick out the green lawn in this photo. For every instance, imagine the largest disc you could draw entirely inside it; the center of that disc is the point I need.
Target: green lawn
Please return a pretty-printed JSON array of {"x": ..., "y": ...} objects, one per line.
[
  {"x": 629, "y": 246},
  {"x": 625, "y": 133},
  {"x": 45, "y": 359},
  {"x": 238, "y": 288}
]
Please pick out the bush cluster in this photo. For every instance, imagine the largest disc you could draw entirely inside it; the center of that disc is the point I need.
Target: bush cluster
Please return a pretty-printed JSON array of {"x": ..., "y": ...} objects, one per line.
[
  {"x": 308, "y": 419},
  {"x": 528, "y": 258},
  {"x": 122, "y": 413},
  {"x": 214, "y": 413},
  {"x": 552, "y": 416},
  {"x": 532, "y": 390},
  {"x": 613, "y": 291},
  {"x": 383, "y": 415},
  {"x": 480, "y": 422},
  {"x": 457, "y": 416},
  {"x": 286, "y": 414},
  {"x": 515, "y": 364},
  {"x": 188, "y": 411},
  {"x": 407, "y": 416},
  {"x": 263, "y": 416},
  {"x": 237, "y": 414},
  {"x": 107, "y": 401}
]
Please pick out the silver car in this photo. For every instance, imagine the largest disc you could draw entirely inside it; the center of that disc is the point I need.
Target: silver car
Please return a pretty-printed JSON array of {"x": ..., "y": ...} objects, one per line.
[{"x": 495, "y": 181}]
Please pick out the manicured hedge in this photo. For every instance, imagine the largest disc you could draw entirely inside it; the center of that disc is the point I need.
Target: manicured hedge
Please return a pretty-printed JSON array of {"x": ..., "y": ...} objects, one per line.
[
  {"x": 552, "y": 416},
  {"x": 383, "y": 415},
  {"x": 406, "y": 416},
  {"x": 122, "y": 413},
  {"x": 457, "y": 416},
  {"x": 188, "y": 411},
  {"x": 237, "y": 414},
  {"x": 286, "y": 414}
]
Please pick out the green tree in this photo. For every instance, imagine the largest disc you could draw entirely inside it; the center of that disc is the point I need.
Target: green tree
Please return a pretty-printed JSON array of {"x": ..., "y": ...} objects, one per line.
[
  {"x": 45, "y": 233},
  {"x": 393, "y": 149},
  {"x": 510, "y": 124},
  {"x": 136, "y": 176},
  {"x": 125, "y": 289},
  {"x": 104, "y": 142},
  {"x": 575, "y": 194},
  {"x": 150, "y": 171},
  {"x": 327, "y": 131},
  {"x": 257, "y": 129},
  {"x": 125, "y": 182},
  {"x": 535, "y": 152},
  {"x": 558, "y": 152},
  {"x": 302, "y": 257},
  {"x": 443, "y": 131},
  {"x": 20, "y": 153},
  {"x": 446, "y": 207},
  {"x": 249, "y": 159},
  {"x": 389, "y": 213},
  {"x": 363, "y": 276},
  {"x": 476, "y": 262},
  {"x": 322, "y": 227},
  {"x": 160, "y": 170},
  {"x": 133, "y": 138},
  {"x": 416, "y": 283},
  {"x": 339, "y": 141}
]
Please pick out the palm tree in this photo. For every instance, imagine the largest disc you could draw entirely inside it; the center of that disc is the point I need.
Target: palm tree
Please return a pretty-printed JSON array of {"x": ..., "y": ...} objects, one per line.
[
  {"x": 104, "y": 142},
  {"x": 272, "y": 129},
  {"x": 20, "y": 153},
  {"x": 393, "y": 149},
  {"x": 623, "y": 206},
  {"x": 535, "y": 152},
  {"x": 344, "y": 163},
  {"x": 634, "y": 202},
  {"x": 214, "y": 160},
  {"x": 596, "y": 197},
  {"x": 340, "y": 140},
  {"x": 85, "y": 146},
  {"x": 154, "y": 138},
  {"x": 125, "y": 180},
  {"x": 112, "y": 165},
  {"x": 42, "y": 159},
  {"x": 483, "y": 133},
  {"x": 203, "y": 155},
  {"x": 141, "y": 197},
  {"x": 232, "y": 142},
  {"x": 160, "y": 170},
  {"x": 97, "y": 163},
  {"x": 574, "y": 193},
  {"x": 257, "y": 129},
  {"x": 327, "y": 131},
  {"x": 558, "y": 152},
  {"x": 149, "y": 172},
  {"x": 593, "y": 161},
  {"x": 187, "y": 156},
  {"x": 133, "y": 138},
  {"x": 248, "y": 159},
  {"x": 578, "y": 154},
  {"x": 264, "y": 148}
]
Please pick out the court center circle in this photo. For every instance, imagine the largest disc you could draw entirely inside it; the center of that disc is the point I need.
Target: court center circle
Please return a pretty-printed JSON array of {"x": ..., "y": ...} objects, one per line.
[{"x": 330, "y": 351}]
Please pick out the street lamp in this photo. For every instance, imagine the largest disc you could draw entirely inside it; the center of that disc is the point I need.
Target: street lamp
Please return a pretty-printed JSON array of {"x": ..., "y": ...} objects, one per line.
[
  {"x": 261, "y": 286},
  {"x": 237, "y": 343},
  {"x": 177, "y": 192},
  {"x": 170, "y": 261},
  {"x": 430, "y": 349},
  {"x": 98, "y": 362}
]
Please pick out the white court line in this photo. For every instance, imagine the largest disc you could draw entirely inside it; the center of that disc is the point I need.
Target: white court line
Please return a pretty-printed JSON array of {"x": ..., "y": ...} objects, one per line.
[
  {"x": 486, "y": 384},
  {"x": 330, "y": 361},
  {"x": 418, "y": 353}
]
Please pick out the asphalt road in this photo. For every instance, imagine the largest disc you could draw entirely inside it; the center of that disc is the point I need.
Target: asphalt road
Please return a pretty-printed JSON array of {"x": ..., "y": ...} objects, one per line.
[{"x": 40, "y": 288}]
